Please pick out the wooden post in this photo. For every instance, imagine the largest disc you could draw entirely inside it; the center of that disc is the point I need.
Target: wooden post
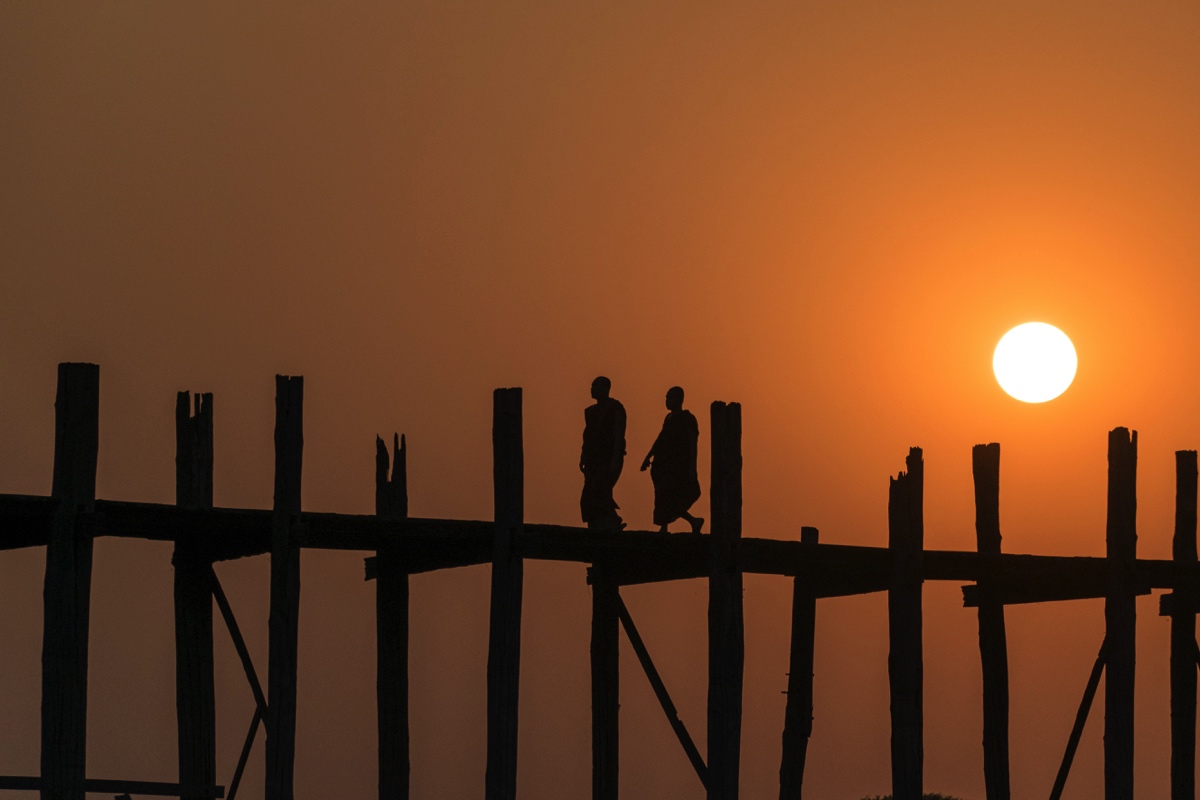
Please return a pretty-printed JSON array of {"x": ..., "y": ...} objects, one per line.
[
  {"x": 504, "y": 643},
  {"x": 283, "y": 623},
  {"x": 993, "y": 642},
  {"x": 606, "y": 675},
  {"x": 195, "y": 694},
  {"x": 906, "y": 536},
  {"x": 67, "y": 592},
  {"x": 1120, "y": 615},
  {"x": 798, "y": 714},
  {"x": 726, "y": 638},
  {"x": 1183, "y": 635},
  {"x": 391, "y": 627}
]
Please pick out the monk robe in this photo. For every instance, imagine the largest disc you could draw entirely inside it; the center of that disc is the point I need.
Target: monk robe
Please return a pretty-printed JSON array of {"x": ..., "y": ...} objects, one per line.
[
  {"x": 673, "y": 469},
  {"x": 602, "y": 458}
]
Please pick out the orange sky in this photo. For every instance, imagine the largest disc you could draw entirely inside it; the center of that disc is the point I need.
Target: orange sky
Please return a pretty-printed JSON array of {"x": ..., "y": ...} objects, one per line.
[{"x": 829, "y": 213}]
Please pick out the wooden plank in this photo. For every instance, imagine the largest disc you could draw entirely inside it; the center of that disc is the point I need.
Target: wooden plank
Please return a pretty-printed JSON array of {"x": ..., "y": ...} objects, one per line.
[
  {"x": 993, "y": 640},
  {"x": 798, "y": 713},
  {"x": 726, "y": 636},
  {"x": 195, "y": 692},
  {"x": 283, "y": 623},
  {"x": 391, "y": 627},
  {"x": 1183, "y": 636},
  {"x": 67, "y": 592},
  {"x": 1085, "y": 705},
  {"x": 1120, "y": 615},
  {"x": 606, "y": 695},
  {"x": 504, "y": 640},
  {"x": 906, "y": 534},
  {"x": 660, "y": 691},
  {"x": 102, "y": 786}
]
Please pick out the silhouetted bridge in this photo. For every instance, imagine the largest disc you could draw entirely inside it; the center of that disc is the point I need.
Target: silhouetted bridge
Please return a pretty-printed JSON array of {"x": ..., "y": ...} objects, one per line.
[{"x": 67, "y": 522}]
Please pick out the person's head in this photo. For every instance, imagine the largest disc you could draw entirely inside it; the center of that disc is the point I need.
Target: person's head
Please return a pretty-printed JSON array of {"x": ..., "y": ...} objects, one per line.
[
  {"x": 675, "y": 398},
  {"x": 601, "y": 387}
]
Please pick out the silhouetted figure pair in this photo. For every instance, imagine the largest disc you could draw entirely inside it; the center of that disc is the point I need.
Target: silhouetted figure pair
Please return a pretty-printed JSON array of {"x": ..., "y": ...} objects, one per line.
[
  {"x": 672, "y": 464},
  {"x": 602, "y": 457},
  {"x": 671, "y": 461}
]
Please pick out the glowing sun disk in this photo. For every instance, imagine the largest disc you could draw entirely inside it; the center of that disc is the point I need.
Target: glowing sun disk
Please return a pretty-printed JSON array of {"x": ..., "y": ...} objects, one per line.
[{"x": 1035, "y": 362}]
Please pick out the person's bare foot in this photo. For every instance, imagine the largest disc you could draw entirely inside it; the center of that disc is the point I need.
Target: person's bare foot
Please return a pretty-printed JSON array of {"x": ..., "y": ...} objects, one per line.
[{"x": 697, "y": 524}]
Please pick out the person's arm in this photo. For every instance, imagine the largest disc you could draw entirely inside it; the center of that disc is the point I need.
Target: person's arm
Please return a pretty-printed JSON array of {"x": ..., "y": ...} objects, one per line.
[{"x": 653, "y": 448}]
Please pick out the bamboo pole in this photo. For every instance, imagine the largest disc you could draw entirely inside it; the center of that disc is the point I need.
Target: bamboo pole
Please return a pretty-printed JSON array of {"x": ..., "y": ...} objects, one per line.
[
  {"x": 283, "y": 623},
  {"x": 993, "y": 641},
  {"x": 1120, "y": 615},
  {"x": 726, "y": 636},
  {"x": 504, "y": 641},
  {"x": 195, "y": 693},
  {"x": 67, "y": 593},
  {"x": 905, "y": 668}
]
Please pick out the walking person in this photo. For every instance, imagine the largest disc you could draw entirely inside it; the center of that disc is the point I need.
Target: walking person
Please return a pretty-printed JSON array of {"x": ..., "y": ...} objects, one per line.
[
  {"x": 602, "y": 457},
  {"x": 672, "y": 465}
]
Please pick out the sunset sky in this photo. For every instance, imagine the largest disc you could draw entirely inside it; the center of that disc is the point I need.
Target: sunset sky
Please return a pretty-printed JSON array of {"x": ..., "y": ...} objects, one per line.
[{"x": 829, "y": 212}]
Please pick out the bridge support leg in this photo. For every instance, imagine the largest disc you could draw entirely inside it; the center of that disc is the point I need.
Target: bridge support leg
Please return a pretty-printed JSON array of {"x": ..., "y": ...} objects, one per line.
[
  {"x": 906, "y": 535},
  {"x": 1183, "y": 635},
  {"x": 391, "y": 628},
  {"x": 798, "y": 714},
  {"x": 1120, "y": 615},
  {"x": 993, "y": 641},
  {"x": 606, "y": 676},
  {"x": 67, "y": 594},
  {"x": 195, "y": 694},
  {"x": 283, "y": 623},
  {"x": 726, "y": 637},
  {"x": 504, "y": 643}
]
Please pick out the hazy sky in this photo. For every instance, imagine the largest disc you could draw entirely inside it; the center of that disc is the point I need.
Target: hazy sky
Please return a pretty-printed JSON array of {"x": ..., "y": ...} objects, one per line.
[{"x": 828, "y": 212}]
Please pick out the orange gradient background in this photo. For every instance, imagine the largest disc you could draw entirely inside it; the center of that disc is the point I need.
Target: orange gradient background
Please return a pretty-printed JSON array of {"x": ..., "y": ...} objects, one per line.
[{"x": 830, "y": 213}]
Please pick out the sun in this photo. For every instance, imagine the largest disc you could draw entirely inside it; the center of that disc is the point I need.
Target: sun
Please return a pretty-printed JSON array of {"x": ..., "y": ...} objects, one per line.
[{"x": 1035, "y": 362}]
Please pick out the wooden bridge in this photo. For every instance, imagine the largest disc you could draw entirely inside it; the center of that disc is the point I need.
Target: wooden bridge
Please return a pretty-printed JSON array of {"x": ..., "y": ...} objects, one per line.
[{"x": 67, "y": 522}]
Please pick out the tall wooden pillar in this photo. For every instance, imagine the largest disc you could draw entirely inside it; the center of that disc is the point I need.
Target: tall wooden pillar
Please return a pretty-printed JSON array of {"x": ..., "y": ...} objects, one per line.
[
  {"x": 606, "y": 676},
  {"x": 906, "y": 537},
  {"x": 1183, "y": 635},
  {"x": 726, "y": 637},
  {"x": 283, "y": 623},
  {"x": 391, "y": 627},
  {"x": 195, "y": 695},
  {"x": 504, "y": 642},
  {"x": 1120, "y": 615},
  {"x": 798, "y": 714},
  {"x": 993, "y": 641},
  {"x": 67, "y": 592}
]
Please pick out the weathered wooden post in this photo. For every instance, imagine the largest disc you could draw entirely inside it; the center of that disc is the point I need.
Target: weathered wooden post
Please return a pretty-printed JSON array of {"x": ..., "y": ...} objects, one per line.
[
  {"x": 68, "y": 585},
  {"x": 726, "y": 637},
  {"x": 283, "y": 623},
  {"x": 1183, "y": 634},
  {"x": 504, "y": 642},
  {"x": 1120, "y": 614},
  {"x": 391, "y": 627},
  {"x": 906, "y": 537},
  {"x": 993, "y": 642},
  {"x": 606, "y": 676},
  {"x": 798, "y": 713},
  {"x": 195, "y": 694}
]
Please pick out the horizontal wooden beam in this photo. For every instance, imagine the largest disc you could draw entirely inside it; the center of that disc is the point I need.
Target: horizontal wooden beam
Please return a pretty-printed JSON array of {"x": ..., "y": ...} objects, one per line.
[
  {"x": 100, "y": 786},
  {"x": 635, "y": 556}
]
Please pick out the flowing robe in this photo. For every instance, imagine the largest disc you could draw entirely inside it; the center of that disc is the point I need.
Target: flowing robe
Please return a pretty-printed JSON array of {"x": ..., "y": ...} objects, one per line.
[
  {"x": 673, "y": 469},
  {"x": 602, "y": 458}
]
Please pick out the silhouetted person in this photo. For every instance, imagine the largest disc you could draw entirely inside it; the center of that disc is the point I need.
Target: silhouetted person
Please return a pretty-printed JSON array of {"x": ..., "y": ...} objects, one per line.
[
  {"x": 602, "y": 457},
  {"x": 672, "y": 463}
]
